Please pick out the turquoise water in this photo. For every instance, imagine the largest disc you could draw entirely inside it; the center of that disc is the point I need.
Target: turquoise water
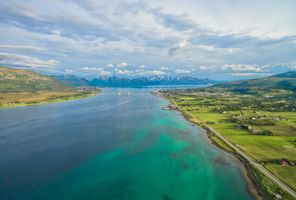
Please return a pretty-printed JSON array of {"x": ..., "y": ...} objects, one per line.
[{"x": 118, "y": 145}]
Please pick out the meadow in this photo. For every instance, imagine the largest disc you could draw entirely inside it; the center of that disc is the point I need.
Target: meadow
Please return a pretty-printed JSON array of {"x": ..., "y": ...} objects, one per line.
[
  {"x": 13, "y": 99},
  {"x": 260, "y": 127}
]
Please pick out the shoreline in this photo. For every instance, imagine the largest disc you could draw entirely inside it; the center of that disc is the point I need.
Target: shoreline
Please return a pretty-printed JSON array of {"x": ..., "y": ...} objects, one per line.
[
  {"x": 258, "y": 182},
  {"x": 253, "y": 186},
  {"x": 51, "y": 101}
]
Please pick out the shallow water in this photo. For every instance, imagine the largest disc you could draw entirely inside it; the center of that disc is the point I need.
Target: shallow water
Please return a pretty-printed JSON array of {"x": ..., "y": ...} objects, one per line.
[{"x": 118, "y": 145}]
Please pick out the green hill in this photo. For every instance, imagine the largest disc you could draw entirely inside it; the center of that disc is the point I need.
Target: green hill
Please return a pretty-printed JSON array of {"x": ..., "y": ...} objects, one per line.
[
  {"x": 24, "y": 87},
  {"x": 19, "y": 80},
  {"x": 285, "y": 83},
  {"x": 291, "y": 74},
  {"x": 72, "y": 80}
]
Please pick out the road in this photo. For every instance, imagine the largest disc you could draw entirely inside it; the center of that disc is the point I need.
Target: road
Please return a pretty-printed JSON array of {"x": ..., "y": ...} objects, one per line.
[{"x": 251, "y": 161}]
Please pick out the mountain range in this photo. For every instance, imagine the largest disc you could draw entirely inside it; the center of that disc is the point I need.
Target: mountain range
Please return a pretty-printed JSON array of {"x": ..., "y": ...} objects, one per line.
[{"x": 114, "y": 81}]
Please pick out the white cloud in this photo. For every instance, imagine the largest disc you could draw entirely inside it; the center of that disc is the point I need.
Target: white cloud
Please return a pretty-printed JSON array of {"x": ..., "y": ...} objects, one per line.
[
  {"x": 202, "y": 68},
  {"x": 100, "y": 71},
  {"x": 238, "y": 16},
  {"x": 123, "y": 64},
  {"x": 156, "y": 72},
  {"x": 212, "y": 48},
  {"x": 123, "y": 72},
  {"x": 249, "y": 74},
  {"x": 22, "y": 47},
  {"x": 182, "y": 71},
  {"x": 69, "y": 71},
  {"x": 243, "y": 68},
  {"x": 180, "y": 45},
  {"x": 93, "y": 33},
  {"x": 164, "y": 68},
  {"x": 26, "y": 61}
]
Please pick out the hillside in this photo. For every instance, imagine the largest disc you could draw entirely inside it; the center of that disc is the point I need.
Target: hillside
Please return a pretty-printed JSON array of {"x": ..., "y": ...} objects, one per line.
[
  {"x": 291, "y": 74},
  {"x": 285, "y": 83},
  {"x": 19, "y": 80},
  {"x": 24, "y": 87},
  {"x": 72, "y": 80}
]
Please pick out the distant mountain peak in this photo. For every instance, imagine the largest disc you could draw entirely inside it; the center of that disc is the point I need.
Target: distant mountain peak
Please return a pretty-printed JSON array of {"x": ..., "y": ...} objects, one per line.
[{"x": 114, "y": 81}]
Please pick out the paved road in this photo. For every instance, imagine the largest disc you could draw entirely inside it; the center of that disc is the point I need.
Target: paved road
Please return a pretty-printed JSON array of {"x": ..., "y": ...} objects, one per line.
[{"x": 255, "y": 164}]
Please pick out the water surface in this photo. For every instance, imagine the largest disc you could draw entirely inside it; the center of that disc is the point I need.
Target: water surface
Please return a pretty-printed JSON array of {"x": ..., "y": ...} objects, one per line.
[{"x": 118, "y": 145}]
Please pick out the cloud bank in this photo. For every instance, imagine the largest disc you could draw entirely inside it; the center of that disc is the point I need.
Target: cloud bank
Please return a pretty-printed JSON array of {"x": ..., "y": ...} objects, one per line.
[{"x": 136, "y": 38}]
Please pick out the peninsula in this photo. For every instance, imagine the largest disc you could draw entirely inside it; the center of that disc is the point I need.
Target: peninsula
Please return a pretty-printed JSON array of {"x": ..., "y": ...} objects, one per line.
[{"x": 20, "y": 87}]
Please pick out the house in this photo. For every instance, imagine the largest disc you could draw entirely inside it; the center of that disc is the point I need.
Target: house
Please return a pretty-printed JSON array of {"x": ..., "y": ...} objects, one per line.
[{"x": 286, "y": 162}]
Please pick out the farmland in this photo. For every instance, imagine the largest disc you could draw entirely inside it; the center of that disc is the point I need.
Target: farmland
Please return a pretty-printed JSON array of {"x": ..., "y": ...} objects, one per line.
[{"x": 261, "y": 123}]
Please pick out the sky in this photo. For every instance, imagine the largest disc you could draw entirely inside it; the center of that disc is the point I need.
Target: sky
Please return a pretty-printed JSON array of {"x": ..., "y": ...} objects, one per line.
[{"x": 222, "y": 40}]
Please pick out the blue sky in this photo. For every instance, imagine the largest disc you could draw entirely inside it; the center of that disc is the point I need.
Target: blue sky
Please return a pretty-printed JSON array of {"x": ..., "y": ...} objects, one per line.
[{"x": 215, "y": 39}]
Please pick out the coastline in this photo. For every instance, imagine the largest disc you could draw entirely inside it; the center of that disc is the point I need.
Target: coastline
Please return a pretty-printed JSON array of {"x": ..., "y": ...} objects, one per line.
[
  {"x": 261, "y": 184},
  {"x": 247, "y": 171},
  {"x": 253, "y": 186},
  {"x": 50, "y": 101}
]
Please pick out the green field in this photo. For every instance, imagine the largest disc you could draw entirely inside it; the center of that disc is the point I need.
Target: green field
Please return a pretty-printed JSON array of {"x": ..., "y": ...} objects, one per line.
[
  {"x": 41, "y": 97},
  {"x": 258, "y": 119},
  {"x": 267, "y": 149}
]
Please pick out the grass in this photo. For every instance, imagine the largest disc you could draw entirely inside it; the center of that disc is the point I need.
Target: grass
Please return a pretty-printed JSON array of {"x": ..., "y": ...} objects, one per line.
[
  {"x": 19, "y": 80},
  {"x": 41, "y": 97},
  {"x": 287, "y": 173},
  {"x": 265, "y": 135},
  {"x": 270, "y": 189},
  {"x": 228, "y": 129},
  {"x": 265, "y": 148},
  {"x": 221, "y": 144}
]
